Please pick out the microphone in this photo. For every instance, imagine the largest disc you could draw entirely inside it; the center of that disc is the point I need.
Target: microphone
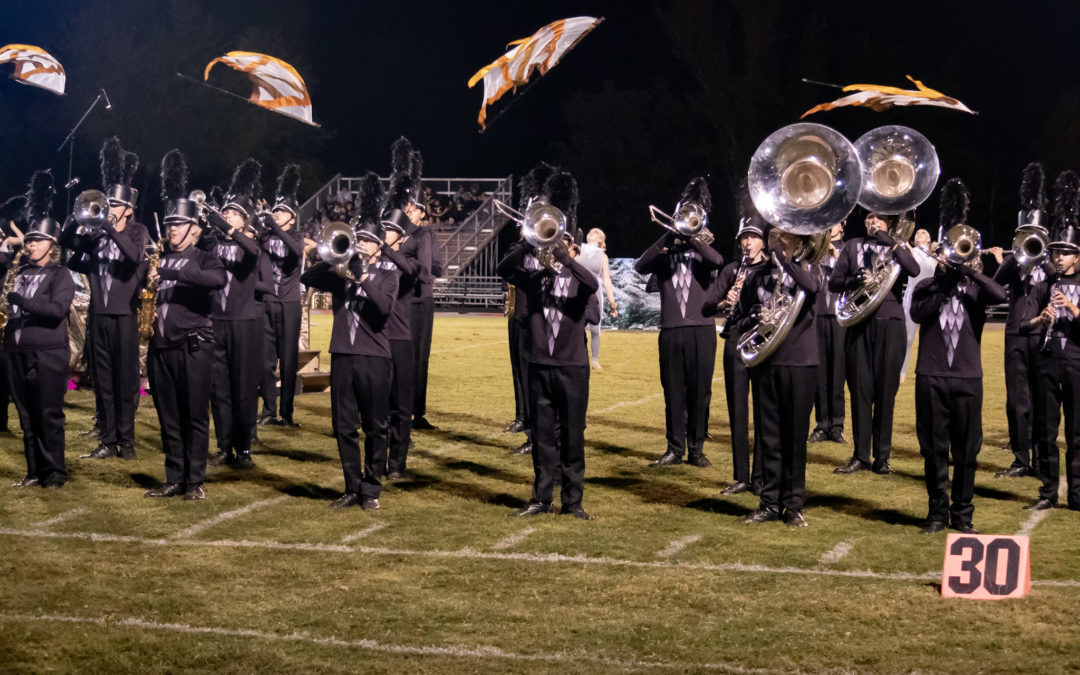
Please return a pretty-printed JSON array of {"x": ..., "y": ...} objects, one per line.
[
  {"x": 71, "y": 183},
  {"x": 108, "y": 104}
]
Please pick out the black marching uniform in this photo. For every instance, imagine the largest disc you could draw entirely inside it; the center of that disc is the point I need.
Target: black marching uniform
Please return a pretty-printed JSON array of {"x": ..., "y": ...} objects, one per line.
[
  {"x": 181, "y": 362},
  {"x": 737, "y": 379},
  {"x": 1057, "y": 391},
  {"x": 558, "y": 371},
  {"x": 405, "y": 265},
  {"x": 687, "y": 274},
  {"x": 36, "y": 353},
  {"x": 281, "y": 304},
  {"x": 360, "y": 371},
  {"x": 829, "y": 400},
  {"x": 784, "y": 386},
  {"x": 114, "y": 263},
  {"x": 875, "y": 349},
  {"x": 950, "y": 309},
  {"x": 1021, "y": 350},
  {"x": 422, "y": 307},
  {"x": 518, "y": 369}
]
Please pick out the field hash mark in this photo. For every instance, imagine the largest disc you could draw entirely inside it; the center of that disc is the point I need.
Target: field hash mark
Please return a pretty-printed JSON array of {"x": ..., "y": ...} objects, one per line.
[
  {"x": 838, "y": 553},
  {"x": 513, "y": 540},
  {"x": 677, "y": 546},
  {"x": 49, "y": 522},
  {"x": 363, "y": 533},
  {"x": 227, "y": 515}
]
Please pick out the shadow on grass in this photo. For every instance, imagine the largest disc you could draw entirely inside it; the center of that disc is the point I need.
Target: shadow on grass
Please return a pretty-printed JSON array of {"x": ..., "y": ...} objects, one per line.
[
  {"x": 296, "y": 455},
  {"x": 613, "y": 449},
  {"x": 650, "y": 490},
  {"x": 310, "y": 491},
  {"x": 145, "y": 480},
  {"x": 861, "y": 508},
  {"x": 711, "y": 505},
  {"x": 414, "y": 481}
]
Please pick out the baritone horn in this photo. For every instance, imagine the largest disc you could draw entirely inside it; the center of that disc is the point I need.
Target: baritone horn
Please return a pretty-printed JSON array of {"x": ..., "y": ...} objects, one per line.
[
  {"x": 899, "y": 171},
  {"x": 1029, "y": 246},
  {"x": 961, "y": 244},
  {"x": 91, "y": 209},
  {"x": 337, "y": 246}
]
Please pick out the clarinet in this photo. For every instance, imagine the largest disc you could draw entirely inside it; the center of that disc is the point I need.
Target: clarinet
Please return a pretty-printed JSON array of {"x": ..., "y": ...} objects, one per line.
[
  {"x": 740, "y": 277},
  {"x": 1048, "y": 331}
]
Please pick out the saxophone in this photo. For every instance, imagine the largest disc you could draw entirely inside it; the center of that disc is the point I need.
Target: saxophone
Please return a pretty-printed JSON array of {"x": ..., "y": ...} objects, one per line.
[
  {"x": 9, "y": 286},
  {"x": 148, "y": 295}
]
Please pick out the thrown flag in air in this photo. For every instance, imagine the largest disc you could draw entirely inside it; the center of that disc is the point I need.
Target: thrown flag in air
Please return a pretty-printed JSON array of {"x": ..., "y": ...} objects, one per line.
[
  {"x": 35, "y": 66},
  {"x": 540, "y": 52},
  {"x": 879, "y": 97},
  {"x": 277, "y": 85}
]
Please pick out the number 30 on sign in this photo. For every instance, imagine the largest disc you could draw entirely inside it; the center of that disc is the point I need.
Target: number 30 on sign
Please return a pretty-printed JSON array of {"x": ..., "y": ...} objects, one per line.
[{"x": 986, "y": 567}]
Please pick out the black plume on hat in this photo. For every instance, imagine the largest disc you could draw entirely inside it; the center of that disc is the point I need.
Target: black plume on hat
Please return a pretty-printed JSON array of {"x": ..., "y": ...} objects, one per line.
[
  {"x": 245, "y": 187},
  {"x": 531, "y": 184},
  {"x": 1066, "y": 202},
  {"x": 562, "y": 192},
  {"x": 288, "y": 184},
  {"x": 697, "y": 190},
  {"x": 955, "y": 201},
  {"x": 39, "y": 206},
  {"x": 1032, "y": 196},
  {"x": 13, "y": 211},
  {"x": 174, "y": 176},
  {"x": 112, "y": 163},
  {"x": 367, "y": 224},
  {"x": 401, "y": 156},
  {"x": 416, "y": 172},
  {"x": 749, "y": 218}
]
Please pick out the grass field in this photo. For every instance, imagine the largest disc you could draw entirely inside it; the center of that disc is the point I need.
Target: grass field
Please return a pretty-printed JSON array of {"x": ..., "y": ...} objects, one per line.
[{"x": 264, "y": 577}]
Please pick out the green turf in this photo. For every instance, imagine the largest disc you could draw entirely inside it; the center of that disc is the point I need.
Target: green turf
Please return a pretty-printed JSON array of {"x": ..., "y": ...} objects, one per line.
[{"x": 442, "y": 574}]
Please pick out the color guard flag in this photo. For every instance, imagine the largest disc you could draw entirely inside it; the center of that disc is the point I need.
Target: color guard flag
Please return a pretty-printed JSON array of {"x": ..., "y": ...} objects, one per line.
[
  {"x": 540, "y": 52},
  {"x": 35, "y": 66},
  {"x": 277, "y": 85},
  {"x": 879, "y": 97}
]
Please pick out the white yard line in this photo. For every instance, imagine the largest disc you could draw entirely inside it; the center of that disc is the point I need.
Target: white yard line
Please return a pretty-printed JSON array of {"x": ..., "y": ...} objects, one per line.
[
  {"x": 49, "y": 522},
  {"x": 363, "y": 533},
  {"x": 838, "y": 553},
  {"x": 513, "y": 540},
  {"x": 624, "y": 404},
  {"x": 454, "y": 651},
  {"x": 677, "y": 546},
  {"x": 467, "y": 347},
  {"x": 227, "y": 515},
  {"x": 1029, "y": 524}
]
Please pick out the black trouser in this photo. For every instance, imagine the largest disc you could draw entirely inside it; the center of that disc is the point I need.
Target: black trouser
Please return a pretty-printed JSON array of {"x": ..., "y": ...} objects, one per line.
[
  {"x": 687, "y": 361},
  {"x": 282, "y": 345},
  {"x": 1057, "y": 389},
  {"x": 91, "y": 367},
  {"x": 180, "y": 382},
  {"x": 514, "y": 332},
  {"x": 115, "y": 345},
  {"x": 875, "y": 354},
  {"x": 948, "y": 415},
  {"x": 785, "y": 395},
  {"x": 360, "y": 389},
  {"x": 422, "y": 321},
  {"x": 1020, "y": 354},
  {"x": 829, "y": 402},
  {"x": 5, "y": 394},
  {"x": 737, "y": 392},
  {"x": 38, "y": 382},
  {"x": 237, "y": 362},
  {"x": 401, "y": 402},
  {"x": 558, "y": 399}
]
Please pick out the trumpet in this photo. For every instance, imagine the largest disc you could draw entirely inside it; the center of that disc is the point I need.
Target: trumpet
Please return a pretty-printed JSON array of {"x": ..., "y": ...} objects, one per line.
[
  {"x": 690, "y": 221},
  {"x": 962, "y": 244},
  {"x": 542, "y": 226},
  {"x": 91, "y": 209},
  {"x": 337, "y": 246},
  {"x": 209, "y": 212}
]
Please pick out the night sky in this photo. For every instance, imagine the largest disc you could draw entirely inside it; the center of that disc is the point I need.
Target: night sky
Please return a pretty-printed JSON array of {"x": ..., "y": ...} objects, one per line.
[{"x": 659, "y": 93}]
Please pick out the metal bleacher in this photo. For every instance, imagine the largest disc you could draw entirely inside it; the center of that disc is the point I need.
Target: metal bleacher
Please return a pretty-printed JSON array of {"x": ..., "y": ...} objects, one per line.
[{"x": 469, "y": 249}]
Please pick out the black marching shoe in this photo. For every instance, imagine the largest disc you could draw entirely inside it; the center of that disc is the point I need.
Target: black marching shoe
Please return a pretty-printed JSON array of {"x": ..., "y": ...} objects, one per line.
[
  {"x": 523, "y": 449},
  {"x": 533, "y": 509},
  {"x": 699, "y": 460},
  {"x": 52, "y": 484},
  {"x": 195, "y": 493},
  {"x": 882, "y": 467},
  {"x": 422, "y": 423},
  {"x": 370, "y": 504},
  {"x": 736, "y": 488},
  {"x": 289, "y": 422},
  {"x": 818, "y": 436},
  {"x": 220, "y": 457},
  {"x": 853, "y": 466},
  {"x": 29, "y": 481},
  {"x": 837, "y": 436},
  {"x": 1013, "y": 472},
  {"x": 268, "y": 420},
  {"x": 395, "y": 475},
  {"x": 760, "y": 516},
  {"x": 93, "y": 432},
  {"x": 345, "y": 501},
  {"x": 574, "y": 510},
  {"x": 932, "y": 526},
  {"x": 244, "y": 460},
  {"x": 1040, "y": 504},
  {"x": 514, "y": 427},
  {"x": 102, "y": 451},
  {"x": 125, "y": 452},
  {"x": 795, "y": 519},
  {"x": 166, "y": 490},
  {"x": 965, "y": 528},
  {"x": 755, "y": 488},
  {"x": 668, "y": 459}
]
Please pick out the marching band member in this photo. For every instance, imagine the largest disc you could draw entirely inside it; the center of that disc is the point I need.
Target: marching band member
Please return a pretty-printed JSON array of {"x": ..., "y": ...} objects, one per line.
[
  {"x": 1057, "y": 366},
  {"x": 360, "y": 360},
  {"x": 950, "y": 309},
  {"x": 687, "y": 272},
  {"x": 12, "y": 224},
  {"x": 238, "y": 355},
  {"x": 284, "y": 247},
  {"x": 829, "y": 400},
  {"x": 1022, "y": 345},
  {"x": 181, "y": 360},
  {"x": 874, "y": 346},
  {"x": 558, "y": 299},
  {"x": 112, "y": 258},
  {"x": 36, "y": 348},
  {"x": 784, "y": 386},
  {"x": 731, "y": 283}
]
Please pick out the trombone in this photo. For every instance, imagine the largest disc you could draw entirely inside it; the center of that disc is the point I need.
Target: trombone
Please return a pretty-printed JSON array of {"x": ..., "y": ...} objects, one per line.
[
  {"x": 91, "y": 209},
  {"x": 689, "y": 221},
  {"x": 337, "y": 245},
  {"x": 542, "y": 226}
]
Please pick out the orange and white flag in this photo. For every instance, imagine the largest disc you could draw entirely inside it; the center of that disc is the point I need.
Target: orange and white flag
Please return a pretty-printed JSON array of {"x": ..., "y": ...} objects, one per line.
[
  {"x": 879, "y": 97},
  {"x": 277, "y": 85},
  {"x": 540, "y": 52},
  {"x": 35, "y": 66}
]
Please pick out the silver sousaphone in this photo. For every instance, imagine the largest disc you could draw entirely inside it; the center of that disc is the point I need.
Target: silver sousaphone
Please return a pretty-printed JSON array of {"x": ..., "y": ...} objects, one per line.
[{"x": 900, "y": 169}]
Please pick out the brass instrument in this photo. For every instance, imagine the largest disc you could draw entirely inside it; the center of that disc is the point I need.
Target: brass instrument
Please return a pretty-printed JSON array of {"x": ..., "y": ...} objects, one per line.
[
  {"x": 337, "y": 245},
  {"x": 9, "y": 286},
  {"x": 688, "y": 222},
  {"x": 542, "y": 226},
  {"x": 1030, "y": 246},
  {"x": 91, "y": 209},
  {"x": 148, "y": 295},
  {"x": 510, "y": 300},
  {"x": 900, "y": 170}
]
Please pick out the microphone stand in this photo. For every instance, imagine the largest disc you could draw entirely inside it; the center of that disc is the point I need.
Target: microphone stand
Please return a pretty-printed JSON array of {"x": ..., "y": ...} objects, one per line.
[{"x": 69, "y": 141}]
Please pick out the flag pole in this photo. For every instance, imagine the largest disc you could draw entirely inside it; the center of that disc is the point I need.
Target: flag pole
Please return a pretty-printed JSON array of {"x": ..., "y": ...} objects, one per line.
[
  {"x": 823, "y": 84},
  {"x": 238, "y": 96}
]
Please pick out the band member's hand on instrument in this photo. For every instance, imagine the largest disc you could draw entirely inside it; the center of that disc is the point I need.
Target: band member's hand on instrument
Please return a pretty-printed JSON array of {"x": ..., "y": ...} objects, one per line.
[
  {"x": 860, "y": 278},
  {"x": 1059, "y": 300},
  {"x": 1047, "y": 316},
  {"x": 561, "y": 253},
  {"x": 884, "y": 238},
  {"x": 998, "y": 253},
  {"x": 15, "y": 298},
  {"x": 16, "y": 239}
]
